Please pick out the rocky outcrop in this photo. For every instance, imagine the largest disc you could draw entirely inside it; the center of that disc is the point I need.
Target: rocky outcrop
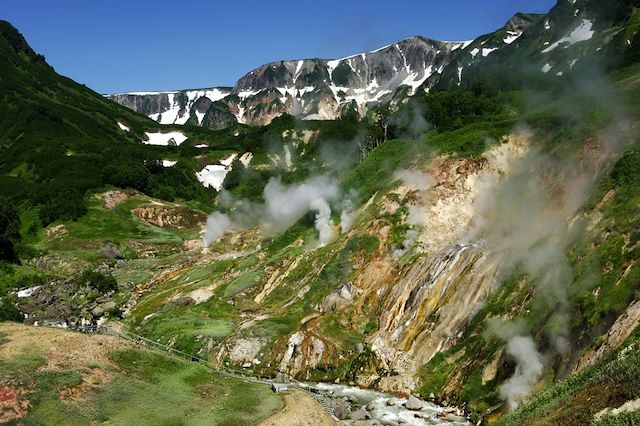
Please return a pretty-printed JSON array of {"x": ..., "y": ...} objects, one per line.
[
  {"x": 304, "y": 352},
  {"x": 66, "y": 303},
  {"x": 338, "y": 299},
  {"x": 218, "y": 116},
  {"x": 621, "y": 329},
  {"x": 170, "y": 216},
  {"x": 246, "y": 351},
  {"x": 111, "y": 251}
]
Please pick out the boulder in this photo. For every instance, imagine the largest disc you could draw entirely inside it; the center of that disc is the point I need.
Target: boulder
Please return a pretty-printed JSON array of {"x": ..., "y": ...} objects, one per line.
[
  {"x": 184, "y": 301},
  {"x": 108, "y": 306},
  {"x": 413, "y": 403},
  {"x": 360, "y": 414},
  {"x": 360, "y": 348},
  {"x": 343, "y": 411},
  {"x": 111, "y": 251},
  {"x": 338, "y": 298}
]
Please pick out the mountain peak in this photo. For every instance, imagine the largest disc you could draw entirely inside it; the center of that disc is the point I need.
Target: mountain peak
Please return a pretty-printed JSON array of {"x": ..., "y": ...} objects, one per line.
[
  {"x": 521, "y": 21},
  {"x": 17, "y": 42}
]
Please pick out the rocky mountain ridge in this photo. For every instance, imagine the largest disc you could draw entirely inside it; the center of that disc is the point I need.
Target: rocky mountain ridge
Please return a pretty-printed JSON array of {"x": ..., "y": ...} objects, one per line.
[
  {"x": 322, "y": 89},
  {"x": 309, "y": 88}
]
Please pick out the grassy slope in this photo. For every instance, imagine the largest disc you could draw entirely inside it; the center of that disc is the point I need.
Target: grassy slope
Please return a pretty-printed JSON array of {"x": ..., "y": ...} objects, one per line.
[
  {"x": 141, "y": 387},
  {"x": 575, "y": 400}
]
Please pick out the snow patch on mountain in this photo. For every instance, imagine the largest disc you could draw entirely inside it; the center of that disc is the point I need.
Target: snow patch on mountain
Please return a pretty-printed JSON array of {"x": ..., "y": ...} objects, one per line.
[
  {"x": 212, "y": 175},
  {"x": 227, "y": 161},
  {"x": 123, "y": 127},
  {"x": 415, "y": 80},
  {"x": 460, "y": 44},
  {"x": 582, "y": 33},
  {"x": 245, "y": 159},
  {"x": 511, "y": 37},
  {"x": 489, "y": 50},
  {"x": 164, "y": 138}
]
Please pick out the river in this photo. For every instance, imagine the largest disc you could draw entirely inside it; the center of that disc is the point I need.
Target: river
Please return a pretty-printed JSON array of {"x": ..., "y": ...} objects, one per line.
[{"x": 387, "y": 409}]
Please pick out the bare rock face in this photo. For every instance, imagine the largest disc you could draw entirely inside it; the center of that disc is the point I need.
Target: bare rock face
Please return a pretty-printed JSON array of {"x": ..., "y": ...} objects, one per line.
[
  {"x": 169, "y": 216},
  {"x": 304, "y": 351},
  {"x": 432, "y": 303},
  {"x": 113, "y": 198},
  {"x": 621, "y": 329},
  {"x": 245, "y": 350},
  {"x": 147, "y": 104},
  {"x": 338, "y": 299}
]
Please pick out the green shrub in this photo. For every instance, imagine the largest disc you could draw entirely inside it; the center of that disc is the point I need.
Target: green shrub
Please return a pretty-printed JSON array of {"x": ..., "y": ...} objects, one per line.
[
  {"x": 100, "y": 282},
  {"x": 9, "y": 231},
  {"x": 9, "y": 311}
]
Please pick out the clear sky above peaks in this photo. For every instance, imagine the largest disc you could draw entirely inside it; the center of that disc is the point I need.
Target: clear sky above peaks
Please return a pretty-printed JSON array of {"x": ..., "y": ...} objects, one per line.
[{"x": 138, "y": 45}]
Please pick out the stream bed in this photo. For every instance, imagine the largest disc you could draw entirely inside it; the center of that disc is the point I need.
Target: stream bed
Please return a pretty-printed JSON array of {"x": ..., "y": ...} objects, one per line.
[{"x": 386, "y": 409}]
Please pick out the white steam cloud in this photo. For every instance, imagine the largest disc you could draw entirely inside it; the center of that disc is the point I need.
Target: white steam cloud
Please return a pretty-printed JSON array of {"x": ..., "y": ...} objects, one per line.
[
  {"x": 217, "y": 224},
  {"x": 346, "y": 216},
  {"x": 417, "y": 217},
  {"x": 528, "y": 370},
  {"x": 415, "y": 179},
  {"x": 529, "y": 221},
  {"x": 283, "y": 206}
]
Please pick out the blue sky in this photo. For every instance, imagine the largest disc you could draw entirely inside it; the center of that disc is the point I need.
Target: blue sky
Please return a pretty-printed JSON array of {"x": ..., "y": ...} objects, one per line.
[{"x": 126, "y": 45}]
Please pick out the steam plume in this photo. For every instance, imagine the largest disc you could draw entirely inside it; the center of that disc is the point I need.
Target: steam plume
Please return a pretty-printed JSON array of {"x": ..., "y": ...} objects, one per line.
[
  {"x": 283, "y": 206},
  {"x": 528, "y": 370},
  {"x": 417, "y": 217}
]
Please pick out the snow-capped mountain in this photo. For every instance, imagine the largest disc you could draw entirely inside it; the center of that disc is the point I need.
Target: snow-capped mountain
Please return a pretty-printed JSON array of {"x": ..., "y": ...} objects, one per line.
[
  {"x": 307, "y": 88},
  {"x": 576, "y": 38},
  {"x": 528, "y": 47},
  {"x": 175, "y": 107}
]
